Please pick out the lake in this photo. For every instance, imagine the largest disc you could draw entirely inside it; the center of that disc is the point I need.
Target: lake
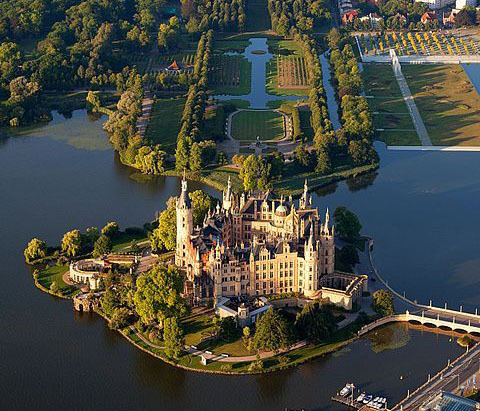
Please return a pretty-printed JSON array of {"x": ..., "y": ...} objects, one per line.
[{"x": 421, "y": 209}]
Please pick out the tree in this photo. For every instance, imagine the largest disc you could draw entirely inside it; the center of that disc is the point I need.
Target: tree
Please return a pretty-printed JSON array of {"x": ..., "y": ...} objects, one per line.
[
  {"x": 35, "y": 249},
  {"x": 362, "y": 152},
  {"x": 111, "y": 230},
  {"x": 347, "y": 224},
  {"x": 72, "y": 243},
  {"x": 54, "y": 288},
  {"x": 302, "y": 156},
  {"x": 383, "y": 302},
  {"x": 324, "y": 164},
  {"x": 173, "y": 337},
  {"x": 119, "y": 318},
  {"x": 272, "y": 332},
  {"x": 228, "y": 328},
  {"x": 92, "y": 234},
  {"x": 201, "y": 203},
  {"x": 158, "y": 295},
  {"x": 315, "y": 323},
  {"x": 93, "y": 101},
  {"x": 109, "y": 302},
  {"x": 165, "y": 236},
  {"x": 249, "y": 172},
  {"x": 102, "y": 246}
]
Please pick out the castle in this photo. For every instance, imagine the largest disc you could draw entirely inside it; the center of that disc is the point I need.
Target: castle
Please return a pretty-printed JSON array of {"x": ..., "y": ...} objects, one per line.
[{"x": 255, "y": 244}]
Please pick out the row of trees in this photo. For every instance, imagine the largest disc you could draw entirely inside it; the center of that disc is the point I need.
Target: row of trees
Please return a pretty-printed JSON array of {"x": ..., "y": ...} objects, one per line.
[
  {"x": 75, "y": 243},
  {"x": 219, "y": 15},
  {"x": 189, "y": 153},
  {"x": 355, "y": 138},
  {"x": 304, "y": 15}
]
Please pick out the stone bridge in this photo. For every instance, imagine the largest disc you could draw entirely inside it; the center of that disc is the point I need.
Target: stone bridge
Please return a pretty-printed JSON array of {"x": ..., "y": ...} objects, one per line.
[{"x": 433, "y": 317}]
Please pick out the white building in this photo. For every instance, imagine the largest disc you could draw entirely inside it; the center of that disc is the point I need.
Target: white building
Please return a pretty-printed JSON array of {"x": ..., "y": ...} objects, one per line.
[
  {"x": 437, "y": 4},
  {"x": 460, "y": 4}
]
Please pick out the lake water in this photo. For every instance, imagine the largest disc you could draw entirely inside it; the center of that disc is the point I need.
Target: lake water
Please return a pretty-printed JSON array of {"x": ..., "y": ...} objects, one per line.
[{"x": 421, "y": 208}]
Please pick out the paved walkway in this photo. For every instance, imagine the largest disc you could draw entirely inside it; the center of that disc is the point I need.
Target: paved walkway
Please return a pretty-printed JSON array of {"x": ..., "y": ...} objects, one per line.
[
  {"x": 433, "y": 148},
  {"x": 412, "y": 107}
]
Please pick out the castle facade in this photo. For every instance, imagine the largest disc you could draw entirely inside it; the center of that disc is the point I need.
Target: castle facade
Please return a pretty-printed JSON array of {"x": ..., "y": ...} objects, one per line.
[{"x": 255, "y": 244}]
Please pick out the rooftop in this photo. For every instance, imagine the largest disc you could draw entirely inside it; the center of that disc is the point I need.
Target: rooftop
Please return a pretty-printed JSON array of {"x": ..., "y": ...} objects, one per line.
[{"x": 445, "y": 401}]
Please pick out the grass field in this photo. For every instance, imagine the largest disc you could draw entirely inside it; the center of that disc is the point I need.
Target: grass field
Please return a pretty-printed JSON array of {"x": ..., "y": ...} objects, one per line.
[
  {"x": 54, "y": 274},
  {"x": 267, "y": 125},
  {"x": 448, "y": 103},
  {"x": 388, "y": 106},
  {"x": 164, "y": 123},
  {"x": 230, "y": 75},
  {"x": 286, "y": 71}
]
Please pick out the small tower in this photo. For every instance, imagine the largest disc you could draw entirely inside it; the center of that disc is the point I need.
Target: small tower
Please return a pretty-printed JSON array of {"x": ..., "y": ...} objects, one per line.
[
  {"x": 184, "y": 226},
  {"x": 228, "y": 197},
  {"x": 304, "y": 200}
]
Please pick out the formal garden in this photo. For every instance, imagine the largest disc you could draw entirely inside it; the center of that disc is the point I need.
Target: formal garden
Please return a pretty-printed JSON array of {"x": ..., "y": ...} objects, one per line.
[
  {"x": 391, "y": 117},
  {"x": 418, "y": 43}
]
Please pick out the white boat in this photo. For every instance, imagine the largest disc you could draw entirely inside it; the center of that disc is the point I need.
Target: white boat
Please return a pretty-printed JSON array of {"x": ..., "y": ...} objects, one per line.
[
  {"x": 361, "y": 397},
  {"x": 367, "y": 399},
  {"x": 346, "y": 390}
]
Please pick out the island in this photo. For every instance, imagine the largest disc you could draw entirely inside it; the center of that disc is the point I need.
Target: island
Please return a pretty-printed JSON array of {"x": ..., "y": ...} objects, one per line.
[{"x": 254, "y": 283}]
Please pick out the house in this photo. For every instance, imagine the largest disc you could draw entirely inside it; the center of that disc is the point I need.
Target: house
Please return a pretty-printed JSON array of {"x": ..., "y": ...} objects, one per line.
[
  {"x": 372, "y": 18},
  {"x": 349, "y": 16},
  {"x": 177, "y": 68},
  {"x": 449, "y": 19},
  {"x": 437, "y": 4},
  {"x": 429, "y": 16}
]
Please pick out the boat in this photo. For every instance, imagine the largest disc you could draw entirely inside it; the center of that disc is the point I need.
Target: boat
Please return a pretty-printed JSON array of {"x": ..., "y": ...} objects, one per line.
[
  {"x": 346, "y": 390},
  {"x": 361, "y": 397},
  {"x": 367, "y": 399}
]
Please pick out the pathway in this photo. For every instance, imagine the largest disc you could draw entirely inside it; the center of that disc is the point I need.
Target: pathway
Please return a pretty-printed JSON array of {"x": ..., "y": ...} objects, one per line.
[{"x": 409, "y": 101}]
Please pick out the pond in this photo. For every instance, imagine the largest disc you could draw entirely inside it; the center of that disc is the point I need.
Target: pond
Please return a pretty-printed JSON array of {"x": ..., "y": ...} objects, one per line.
[{"x": 421, "y": 209}]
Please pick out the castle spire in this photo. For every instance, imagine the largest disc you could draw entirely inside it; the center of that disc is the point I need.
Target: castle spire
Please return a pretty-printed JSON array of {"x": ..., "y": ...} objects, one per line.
[{"x": 184, "y": 199}]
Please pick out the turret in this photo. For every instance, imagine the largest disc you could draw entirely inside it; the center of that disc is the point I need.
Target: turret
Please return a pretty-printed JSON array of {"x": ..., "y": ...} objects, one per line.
[
  {"x": 228, "y": 197},
  {"x": 184, "y": 225},
  {"x": 304, "y": 200}
]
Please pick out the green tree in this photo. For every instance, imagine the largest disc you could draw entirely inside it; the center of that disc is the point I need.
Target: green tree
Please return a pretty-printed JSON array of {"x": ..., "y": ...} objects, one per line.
[
  {"x": 383, "y": 302},
  {"x": 93, "y": 101},
  {"x": 347, "y": 224},
  {"x": 173, "y": 337},
  {"x": 201, "y": 203},
  {"x": 92, "y": 234},
  {"x": 111, "y": 230},
  {"x": 250, "y": 172},
  {"x": 165, "y": 235},
  {"x": 324, "y": 165},
  {"x": 109, "y": 302},
  {"x": 315, "y": 323},
  {"x": 272, "y": 332},
  {"x": 228, "y": 328},
  {"x": 102, "y": 246},
  {"x": 72, "y": 243},
  {"x": 119, "y": 318},
  {"x": 158, "y": 295},
  {"x": 35, "y": 249}
]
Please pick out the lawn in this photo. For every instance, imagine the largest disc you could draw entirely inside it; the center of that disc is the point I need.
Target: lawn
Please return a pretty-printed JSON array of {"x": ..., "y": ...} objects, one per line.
[
  {"x": 448, "y": 103},
  {"x": 390, "y": 112},
  {"x": 230, "y": 75},
  {"x": 165, "y": 123},
  {"x": 267, "y": 125},
  {"x": 124, "y": 240},
  {"x": 54, "y": 274}
]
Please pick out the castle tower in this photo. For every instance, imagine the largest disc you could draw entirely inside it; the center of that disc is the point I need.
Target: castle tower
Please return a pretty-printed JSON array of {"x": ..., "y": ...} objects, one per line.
[
  {"x": 228, "y": 197},
  {"x": 311, "y": 266},
  {"x": 184, "y": 226},
  {"x": 304, "y": 200},
  {"x": 327, "y": 249}
]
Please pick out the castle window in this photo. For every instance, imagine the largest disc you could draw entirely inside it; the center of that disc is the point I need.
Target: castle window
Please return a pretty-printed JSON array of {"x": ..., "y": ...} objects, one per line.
[
  {"x": 291, "y": 264},
  {"x": 271, "y": 266},
  {"x": 257, "y": 286},
  {"x": 271, "y": 284},
  {"x": 224, "y": 289},
  {"x": 271, "y": 275},
  {"x": 281, "y": 266},
  {"x": 232, "y": 288},
  {"x": 326, "y": 260},
  {"x": 281, "y": 284},
  {"x": 264, "y": 266},
  {"x": 264, "y": 286},
  {"x": 264, "y": 276}
]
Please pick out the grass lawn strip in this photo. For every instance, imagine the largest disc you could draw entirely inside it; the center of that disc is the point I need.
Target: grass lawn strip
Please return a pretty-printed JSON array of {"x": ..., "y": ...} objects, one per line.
[
  {"x": 267, "y": 125},
  {"x": 447, "y": 102},
  {"x": 165, "y": 123}
]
